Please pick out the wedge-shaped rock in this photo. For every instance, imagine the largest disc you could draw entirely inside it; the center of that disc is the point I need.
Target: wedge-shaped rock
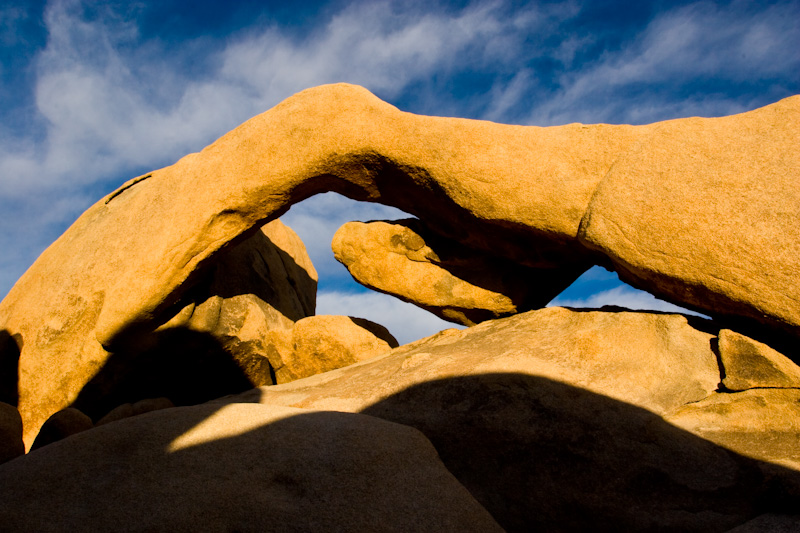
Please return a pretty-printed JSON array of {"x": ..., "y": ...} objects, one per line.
[
  {"x": 748, "y": 364},
  {"x": 405, "y": 259},
  {"x": 238, "y": 468}
]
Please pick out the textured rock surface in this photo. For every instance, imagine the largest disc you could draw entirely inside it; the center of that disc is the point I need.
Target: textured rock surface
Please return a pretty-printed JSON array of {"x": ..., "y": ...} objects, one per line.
[
  {"x": 700, "y": 211},
  {"x": 553, "y": 420},
  {"x": 61, "y": 425},
  {"x": 655, "y": 361},
  {"x": 748, "y": 364},
  {"x": 456, "y": 283},
  {"x": 11, "y": 445},
  {"x": 705, "y": 212},
  {"x": 238, "y": 468},
  {"x": 759, "y": 423},
  {"x": 326, "y": 342},
  {"x": 256, "y": 290}
]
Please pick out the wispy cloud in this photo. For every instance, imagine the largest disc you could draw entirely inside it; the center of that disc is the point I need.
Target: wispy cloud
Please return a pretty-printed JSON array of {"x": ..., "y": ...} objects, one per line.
[{"x": 681, "y": 53}]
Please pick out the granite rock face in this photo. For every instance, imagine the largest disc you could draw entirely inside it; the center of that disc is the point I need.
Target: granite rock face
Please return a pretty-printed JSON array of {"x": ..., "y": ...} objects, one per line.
[
  {"x": 405, "y": 259},
  {"x": 326, "y": 342}
]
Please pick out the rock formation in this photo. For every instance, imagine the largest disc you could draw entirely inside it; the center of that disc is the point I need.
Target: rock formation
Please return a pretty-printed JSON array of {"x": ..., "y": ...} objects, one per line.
[
  {"x": 562, "y": 420},
  {"x": 183, "y": 287},
  {"x": 244, "y": 467},
  {"x": 456, "y": 283}
]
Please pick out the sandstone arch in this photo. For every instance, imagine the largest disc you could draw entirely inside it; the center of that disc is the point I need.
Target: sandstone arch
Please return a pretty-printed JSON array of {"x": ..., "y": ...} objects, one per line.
[{"x": 702, "y": 212}]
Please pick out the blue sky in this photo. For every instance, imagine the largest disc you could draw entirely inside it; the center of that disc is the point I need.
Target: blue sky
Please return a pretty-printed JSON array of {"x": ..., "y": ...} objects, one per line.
[{"x": 94, "y": 93}]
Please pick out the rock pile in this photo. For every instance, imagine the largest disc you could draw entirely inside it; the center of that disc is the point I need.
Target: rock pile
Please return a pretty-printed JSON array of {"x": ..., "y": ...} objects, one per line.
[{"x": 176, "y": 377}]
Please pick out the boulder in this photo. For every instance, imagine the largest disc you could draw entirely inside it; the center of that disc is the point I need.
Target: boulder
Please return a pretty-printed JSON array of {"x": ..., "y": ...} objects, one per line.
[
  {"x": 760, "y": 423},
  {"x": 403, "y": 258},
  {"x": 11, "y": 445},
  {"x": 238, "y": 468},
  {"x": 748, "y": 364},
  {"x": 655, "y": 361},
  {"x": 567, "y": 420},
  {"x": 61, "y": 425},
  {"x": 257, "y": 289},
  {"x": 325, "y": 342}
]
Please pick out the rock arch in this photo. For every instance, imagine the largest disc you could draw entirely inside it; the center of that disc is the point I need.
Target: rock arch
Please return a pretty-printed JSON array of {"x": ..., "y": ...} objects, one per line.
[{"x": 701, "y": 212}]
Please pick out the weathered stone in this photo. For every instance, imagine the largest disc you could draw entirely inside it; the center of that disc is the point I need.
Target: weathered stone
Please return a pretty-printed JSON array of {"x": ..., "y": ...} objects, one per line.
[
  {"x": 218, "y": 340},
  {"x": 141, "y": 407},
  {"x": 747, "y": 364},
  {"x": 61, "y": 425},
  {"x": 704, "y": 211},
  {"x": 655, "y": 361},
  {"x": 456, "y": 283},
  {"x": 668, "y": 204},
  {"x": 326, "y": 342},
  {"x": 260, "y": 286},
  {"x": 238, "y": 468},
  {"x": 553, "y": 419},
  {"x": 759, "y": 423},
  {"x": 11, "y": 445}
]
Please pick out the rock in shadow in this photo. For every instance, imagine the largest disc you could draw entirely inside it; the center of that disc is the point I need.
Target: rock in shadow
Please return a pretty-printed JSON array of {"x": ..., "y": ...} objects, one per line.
[
  {"x": 186, "y": 366},
  {"x": 259, "y": 264},
  {"x": 10, "y": 349},
  {"x": 537, "y": 454},
  {"x": 241, "y": 467},
  {"x": 546, "y": 456}
]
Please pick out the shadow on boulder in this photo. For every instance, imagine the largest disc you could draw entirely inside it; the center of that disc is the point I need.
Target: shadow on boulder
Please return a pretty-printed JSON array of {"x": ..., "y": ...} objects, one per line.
[
  {"x": 546, "y": 456},
  {"x": 536, "y": 453},
  {"x": 186, "y": 366}
]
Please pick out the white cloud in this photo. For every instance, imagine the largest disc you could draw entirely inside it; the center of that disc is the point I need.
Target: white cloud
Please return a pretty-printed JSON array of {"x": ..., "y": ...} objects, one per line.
[
  {"x": 689, "y": 45},
  {"x": 405, "y": 321},
  {"x": 623, "y": 296}
]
